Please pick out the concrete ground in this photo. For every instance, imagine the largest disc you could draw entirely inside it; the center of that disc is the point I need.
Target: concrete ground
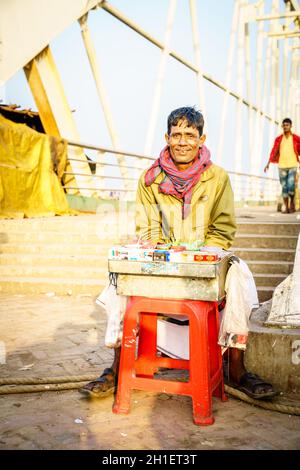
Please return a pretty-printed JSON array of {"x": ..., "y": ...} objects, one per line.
[
  {"x": 56, "y": 336},
  {"x": 261, "y": 214}
]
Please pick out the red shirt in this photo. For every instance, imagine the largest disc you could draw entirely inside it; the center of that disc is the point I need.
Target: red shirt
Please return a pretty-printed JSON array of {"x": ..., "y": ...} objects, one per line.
[{"x": 274, "y": 155}]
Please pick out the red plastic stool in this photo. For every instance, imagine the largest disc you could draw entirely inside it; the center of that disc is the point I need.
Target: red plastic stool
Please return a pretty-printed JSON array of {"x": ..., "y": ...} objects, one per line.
[{"x": 204, "y": 365}]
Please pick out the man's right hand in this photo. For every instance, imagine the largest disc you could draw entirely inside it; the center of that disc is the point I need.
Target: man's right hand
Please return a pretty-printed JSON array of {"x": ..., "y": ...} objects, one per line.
[{"x": 266, "y": 167}]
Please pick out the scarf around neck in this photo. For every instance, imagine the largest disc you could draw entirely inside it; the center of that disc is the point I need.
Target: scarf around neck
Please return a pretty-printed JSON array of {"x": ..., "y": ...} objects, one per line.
[{"x": 178, "y": 183}]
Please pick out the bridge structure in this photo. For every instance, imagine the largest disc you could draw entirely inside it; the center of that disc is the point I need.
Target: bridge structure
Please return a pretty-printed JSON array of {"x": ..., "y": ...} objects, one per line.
[
  {"x": 263, "y": 43},
  {"x": 66, "y": 255}
]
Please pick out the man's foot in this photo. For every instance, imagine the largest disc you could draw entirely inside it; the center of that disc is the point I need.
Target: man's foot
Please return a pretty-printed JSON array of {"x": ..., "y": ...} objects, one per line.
[
  {"x": 253, "y": 386},
  {"x": 103, "y": 386},
  {"x": 292, "y": 206},
  {"x": 286, "y": 205}
]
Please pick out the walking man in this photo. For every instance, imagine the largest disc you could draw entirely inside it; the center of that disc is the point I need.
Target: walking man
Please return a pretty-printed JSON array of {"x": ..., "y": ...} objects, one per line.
[{"x": 285, "y": 153}]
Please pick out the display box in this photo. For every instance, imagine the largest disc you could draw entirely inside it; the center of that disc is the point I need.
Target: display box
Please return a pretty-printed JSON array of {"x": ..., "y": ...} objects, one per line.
[{"x": 170, "y": 280}]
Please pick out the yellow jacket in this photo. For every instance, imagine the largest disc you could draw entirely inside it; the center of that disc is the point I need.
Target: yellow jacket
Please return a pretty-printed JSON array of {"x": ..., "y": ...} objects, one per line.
[{"x": 211, "y": 219}]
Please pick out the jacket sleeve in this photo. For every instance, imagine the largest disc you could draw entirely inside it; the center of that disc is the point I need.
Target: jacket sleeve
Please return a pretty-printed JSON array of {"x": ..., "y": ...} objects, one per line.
[
  {"x": 297, "y": 139},
  {"x": 275, "y": 150},
  {"x": 222, "y": 226},
  {"x": 147, "y": 215}
]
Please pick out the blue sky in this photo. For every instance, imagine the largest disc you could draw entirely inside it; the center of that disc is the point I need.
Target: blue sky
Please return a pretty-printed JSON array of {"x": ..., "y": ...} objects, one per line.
[{"x": 129, "y": 64}]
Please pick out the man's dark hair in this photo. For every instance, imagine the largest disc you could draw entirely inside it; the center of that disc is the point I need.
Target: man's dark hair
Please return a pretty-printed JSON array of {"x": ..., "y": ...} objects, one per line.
[
  {"x": 193, "y": 117},
  {"x": 287, "y": 120}
]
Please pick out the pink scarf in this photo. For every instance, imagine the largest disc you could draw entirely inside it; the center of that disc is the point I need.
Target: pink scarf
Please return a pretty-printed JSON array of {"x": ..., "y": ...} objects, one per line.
[{"x": 178, "y": 183}]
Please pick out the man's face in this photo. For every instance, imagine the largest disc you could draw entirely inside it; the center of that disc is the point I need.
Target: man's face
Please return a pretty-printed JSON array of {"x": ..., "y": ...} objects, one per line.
[
  {"x": 184, "y": 142},
  {"x": 286, "y": 126}
]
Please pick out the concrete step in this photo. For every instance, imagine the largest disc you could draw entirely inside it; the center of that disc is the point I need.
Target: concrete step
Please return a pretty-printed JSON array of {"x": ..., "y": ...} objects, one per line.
[
  {"x": 51, "y": 237},
  {"x": 41, "y": 259},
  {"x": 56, "y": 248},
  {"x": 264, "y": 293},
  {"x": 271, "y": 280},
  {"x": 265, "y": 254},
  {"x": 59, "y": 222},
  {"x": 252, "y": 241},
  {"x": 276, "y": 228},
  {"x": 265, "y": 241},
  {"x": 33, "y": 285},
  {"x": 270, "y": 267},
  {"x": 62, "y": 254},
  {"x": 113, "y": 225},
  {"x": 56, "y": 272}
]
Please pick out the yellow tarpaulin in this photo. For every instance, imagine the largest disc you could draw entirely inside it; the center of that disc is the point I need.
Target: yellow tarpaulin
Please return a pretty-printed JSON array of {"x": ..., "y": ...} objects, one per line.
[{"x": 31, "y": 166}]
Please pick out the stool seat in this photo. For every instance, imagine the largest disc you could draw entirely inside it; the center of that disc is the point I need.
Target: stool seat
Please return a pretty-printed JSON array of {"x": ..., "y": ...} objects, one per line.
[{"x": 138, "y": 365}]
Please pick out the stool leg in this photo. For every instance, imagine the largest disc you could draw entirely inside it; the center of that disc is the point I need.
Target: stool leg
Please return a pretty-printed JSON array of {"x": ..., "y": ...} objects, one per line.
[
  {"x": 215, "y": 351},
  {"x": 126, "y": 369},
  {"x": 199, "y": 366},
  {"x": 145, "y": 364}
]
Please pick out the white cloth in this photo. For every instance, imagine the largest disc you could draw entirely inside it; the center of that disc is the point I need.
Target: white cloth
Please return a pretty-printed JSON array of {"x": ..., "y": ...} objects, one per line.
[{"x": 115, "y": 307}]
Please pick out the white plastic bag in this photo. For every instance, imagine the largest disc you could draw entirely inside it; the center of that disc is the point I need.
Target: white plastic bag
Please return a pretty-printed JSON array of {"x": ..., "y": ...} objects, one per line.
[
  {"x": 115, "y": 307},
  {"x": 241, "y": 298}
]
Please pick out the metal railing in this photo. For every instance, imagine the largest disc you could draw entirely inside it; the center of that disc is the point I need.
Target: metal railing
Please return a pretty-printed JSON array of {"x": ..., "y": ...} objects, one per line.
[{"x": 247, "y": 188}]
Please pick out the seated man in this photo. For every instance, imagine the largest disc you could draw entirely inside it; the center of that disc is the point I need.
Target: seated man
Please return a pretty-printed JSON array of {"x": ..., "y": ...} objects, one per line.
[{"x": 184, "y": 196}]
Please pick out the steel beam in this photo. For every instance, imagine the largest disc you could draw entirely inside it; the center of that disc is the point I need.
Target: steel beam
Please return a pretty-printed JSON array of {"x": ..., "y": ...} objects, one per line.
[
  {"x": 285, "y": 70},
  {"x": 284, "y": 35},
  {"x": 118, "y": 15},
  {"x": 91, "y": 53},
  {"x": 251, "y": 118},
  {"x": 160, "y": 77},
  {"x": 229, "y": 69},
  {"x": 48, "y": 93},
  {"x": 291, "y": 14},
  {"x": 256, "y": 132},
  {"x": 197, "y": 58},
  {"x": 273, "y": 75},
  {"x": 238, "y": 152}
]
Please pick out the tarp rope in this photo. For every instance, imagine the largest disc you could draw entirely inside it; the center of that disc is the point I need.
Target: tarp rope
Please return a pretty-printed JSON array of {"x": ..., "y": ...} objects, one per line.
[{"x": 71, "y": 382}]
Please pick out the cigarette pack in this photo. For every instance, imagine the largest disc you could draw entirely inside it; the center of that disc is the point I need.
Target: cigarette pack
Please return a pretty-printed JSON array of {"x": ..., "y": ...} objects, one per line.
[
  {"x": 205, "y": 256},
  {"x": 161, "y": 255}
]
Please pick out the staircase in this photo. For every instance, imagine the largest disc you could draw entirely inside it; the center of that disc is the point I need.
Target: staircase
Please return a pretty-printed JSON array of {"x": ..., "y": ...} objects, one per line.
[
  {"x": 61, "y": 255},
  {"x": 269, "y": 250},
  {"x": 68, "y": 255}
]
